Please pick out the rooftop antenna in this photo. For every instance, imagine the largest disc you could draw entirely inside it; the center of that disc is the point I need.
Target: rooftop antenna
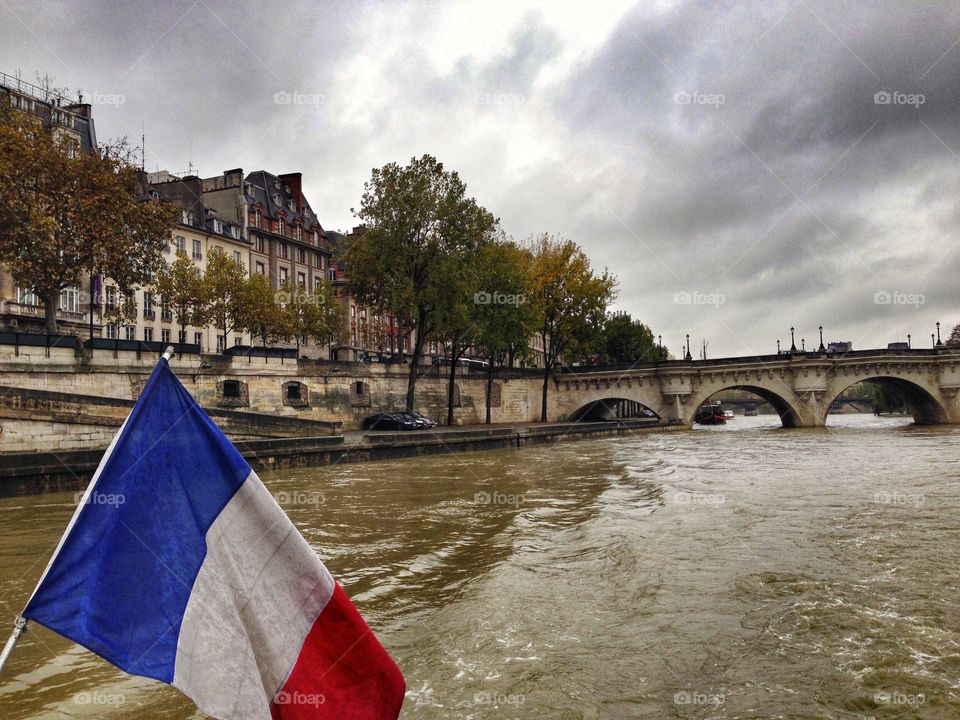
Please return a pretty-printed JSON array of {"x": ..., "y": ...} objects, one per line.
[{"x": 143, "y": 147}]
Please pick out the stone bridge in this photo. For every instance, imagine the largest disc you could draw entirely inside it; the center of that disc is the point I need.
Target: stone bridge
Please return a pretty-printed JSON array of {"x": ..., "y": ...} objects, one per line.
[{"x": 800, "y": 386}]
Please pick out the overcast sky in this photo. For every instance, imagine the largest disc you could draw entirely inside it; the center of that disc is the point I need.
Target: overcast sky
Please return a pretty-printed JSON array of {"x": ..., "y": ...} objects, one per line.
[{"x": 732, "y": 163}]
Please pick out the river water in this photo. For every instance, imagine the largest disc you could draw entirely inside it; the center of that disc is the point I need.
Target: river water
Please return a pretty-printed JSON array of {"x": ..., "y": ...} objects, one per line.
[{"x": 734, "y": 572}]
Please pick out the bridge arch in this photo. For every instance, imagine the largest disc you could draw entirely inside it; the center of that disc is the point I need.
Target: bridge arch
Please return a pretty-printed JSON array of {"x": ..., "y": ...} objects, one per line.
[
  {"x": 789, "y": 415},
  {"x": 924, "y": 407},
  {"x": 612, "y": 408}
]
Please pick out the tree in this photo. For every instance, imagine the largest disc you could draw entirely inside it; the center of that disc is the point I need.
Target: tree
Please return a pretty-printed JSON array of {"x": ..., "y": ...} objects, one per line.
[
  {"x": 263, "y": 318},
  {"x": 415, "y": 217},
  {"x": 625, "y": 340},
  {"x": 64, "y": 213},
  {"x": 181, "y": 287},
  {"x": 954, "y": 339},
  {"x": 502, "y": 328},
  {"x": 568, "y": 298},
  {"x": 306, "y": 315},
  {"x": 224, "y": 293}
]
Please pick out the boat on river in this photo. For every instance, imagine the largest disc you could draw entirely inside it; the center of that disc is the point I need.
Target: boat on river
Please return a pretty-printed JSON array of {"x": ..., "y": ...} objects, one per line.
[{"x": 710, "y": 414}]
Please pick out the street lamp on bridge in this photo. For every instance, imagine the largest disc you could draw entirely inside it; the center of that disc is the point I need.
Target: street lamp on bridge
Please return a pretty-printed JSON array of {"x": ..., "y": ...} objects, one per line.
[
  {"x": 933, "y": 340},
  {"x": 688, "y": 356},
  {"x": 939, "y": 344},
  {"x": 803, "y": 344},
  {"x": 821, "y": 348},
  {"x": 793, "y": 345},
  {"x": 908, "y": 342},
  {"x": 778, "y": 346}
]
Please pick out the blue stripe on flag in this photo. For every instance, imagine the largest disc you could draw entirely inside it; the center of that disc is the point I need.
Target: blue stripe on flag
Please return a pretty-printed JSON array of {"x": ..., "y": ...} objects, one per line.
[{"x": 120, "y": 584}]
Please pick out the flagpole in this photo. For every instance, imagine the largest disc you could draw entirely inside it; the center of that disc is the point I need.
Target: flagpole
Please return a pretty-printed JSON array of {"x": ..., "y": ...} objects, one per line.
[
  {"x": 20, "y": 624},
  {"x": 19, "y": 627}
]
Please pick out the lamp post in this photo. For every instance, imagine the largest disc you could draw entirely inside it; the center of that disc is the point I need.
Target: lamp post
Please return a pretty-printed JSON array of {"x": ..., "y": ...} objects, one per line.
[
  {"x": 908, "y": 342},
  {"x": 659, "y": 347},
  {"x": 793, "y": 345},
  {"x": 778, "y": 346},
  {"x": 939, "y": 344},
  {"x": 688, "y": 356},
  {"x": 821, "y": 348},
  {"x": 933, "y": 340},
  {"x": 803, "y": 344}
]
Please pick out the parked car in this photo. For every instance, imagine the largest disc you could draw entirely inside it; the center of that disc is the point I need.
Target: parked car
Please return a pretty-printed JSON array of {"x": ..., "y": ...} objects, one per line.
[
  {"x": 390, "y": 421},
  {"x": 422, "y": 420}
]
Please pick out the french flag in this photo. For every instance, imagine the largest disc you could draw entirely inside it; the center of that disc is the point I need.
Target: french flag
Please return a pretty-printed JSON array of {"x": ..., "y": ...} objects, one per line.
[{"x": 179, "y": 565}]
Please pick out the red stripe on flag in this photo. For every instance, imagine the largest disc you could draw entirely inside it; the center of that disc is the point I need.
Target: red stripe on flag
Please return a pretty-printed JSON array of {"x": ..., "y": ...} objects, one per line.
[{"x": 342, "y": 671}]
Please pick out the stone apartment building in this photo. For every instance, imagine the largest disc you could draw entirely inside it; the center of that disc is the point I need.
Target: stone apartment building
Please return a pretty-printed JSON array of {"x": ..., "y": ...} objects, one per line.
[{"x": 21, "y": 310}]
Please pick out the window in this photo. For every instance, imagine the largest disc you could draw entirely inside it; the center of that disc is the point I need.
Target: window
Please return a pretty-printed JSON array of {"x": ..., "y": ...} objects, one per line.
[
  {"x": 111, "y": 299},
  {"x": 353, "y": 311},
  {"x": 282, "y": 250},
  {"x": 301, "y": 280},
  {"x": 235, "y": 231},
  {"x": 182, "y": 337},
  {"x": 148, "y": 305},
  {"x": 165, "y": 336},
  {"x": 258, "y": 219},
  {"x": 231, "y": 388},
  {"x": 148, "y": 334},
  {"x": 198, "y": 339},
  {"x": 221, "y": 343},
  {"x": 317, "y": 263},
  {"x": 70, "y": 299},
  {"x": 197, "y": 254},
  {"x": 317, "y": 285},
  {"x": 313, "y": 237},
  {"x": 217, "y": 226},
  {"x": 26, "y": 297},
  {"x": 281, "y": 226},
  {"x": 299, "y": 233},
  {"x": 130, "y": 331},
  {"x": 236, "y": 257},
  {"x": 165, "y": 312},
  {"x": 283, "y": 275},
  {"x": 332, "y": 273},
  {"x": 261, "y": 270},
  {"x": 112, "y": 332},
  {"x": 166, "y": 248},
  {"x": 261, "y": 246},
  {"x": 186, "y": 218},
  {"x": 181, "y": 243}
]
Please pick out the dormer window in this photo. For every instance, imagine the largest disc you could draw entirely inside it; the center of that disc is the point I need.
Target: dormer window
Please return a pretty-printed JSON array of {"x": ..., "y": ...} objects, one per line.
[
  {"x": 292, "y": 205},
  {"x": 276, "y": 198},
  {"x": 258, "y": 218},
  {"x": 186, "y": 217},
  {"x": 299, "y": 233},
  {"x": 235, "y": 231},
  {"x": 281, "y": 225},
  {"x": 276, "y": 183},
  {"x": 217, "y": 226}
]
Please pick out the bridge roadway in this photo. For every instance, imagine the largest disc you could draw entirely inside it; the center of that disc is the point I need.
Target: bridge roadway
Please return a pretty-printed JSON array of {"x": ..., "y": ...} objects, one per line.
[{"x": 801, "y": 386}]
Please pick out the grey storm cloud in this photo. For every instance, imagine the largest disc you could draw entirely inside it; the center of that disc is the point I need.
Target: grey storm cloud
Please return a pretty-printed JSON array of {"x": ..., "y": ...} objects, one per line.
[{"x": 796, "y": 157}]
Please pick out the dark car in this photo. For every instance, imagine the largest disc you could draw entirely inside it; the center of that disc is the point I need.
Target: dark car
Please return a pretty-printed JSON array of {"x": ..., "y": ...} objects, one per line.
[
  {"x": 390, "y": 421},
  {"x": 422, "y": 421}
]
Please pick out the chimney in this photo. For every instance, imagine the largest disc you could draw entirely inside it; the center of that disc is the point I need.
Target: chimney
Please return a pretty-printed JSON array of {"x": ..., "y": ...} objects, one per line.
[{"x": 295, "y": 182}]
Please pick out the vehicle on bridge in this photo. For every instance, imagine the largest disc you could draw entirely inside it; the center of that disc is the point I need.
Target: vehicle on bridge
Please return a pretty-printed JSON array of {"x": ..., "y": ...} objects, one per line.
[{"x": 710, "y": 413}]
